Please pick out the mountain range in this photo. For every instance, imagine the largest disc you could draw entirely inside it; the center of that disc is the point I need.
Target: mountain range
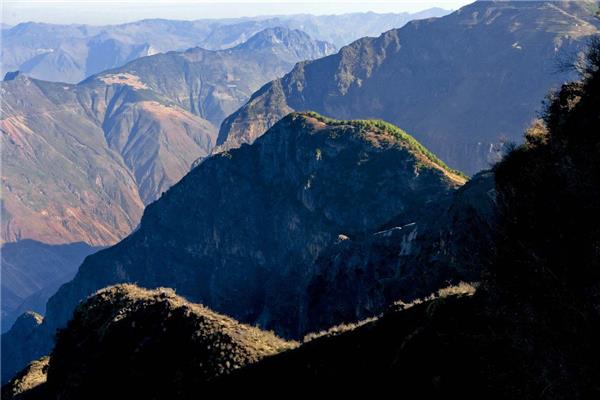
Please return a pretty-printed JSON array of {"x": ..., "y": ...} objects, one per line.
[
  {"x": 265, "y": 237},
  {"x": 80, "y": 162},
  {"x": 133, "y": 131},
  {"x": 463, "y": 84},
  {"x": 528, "y": 330},
  {"x": 373, "y": 262},
  {"x": 71, "y": 53}
]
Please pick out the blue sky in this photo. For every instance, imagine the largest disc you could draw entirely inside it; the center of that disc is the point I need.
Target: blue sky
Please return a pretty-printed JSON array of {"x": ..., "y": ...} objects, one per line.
[{"x": 110, "y": 12}]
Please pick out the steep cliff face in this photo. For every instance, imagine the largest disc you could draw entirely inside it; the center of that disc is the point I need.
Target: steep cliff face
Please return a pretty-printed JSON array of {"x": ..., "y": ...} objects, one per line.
[
  {"x": 453, "y": 242},
  {"x": 247, "y": 232},
  {"x": 462, "y": 84}
]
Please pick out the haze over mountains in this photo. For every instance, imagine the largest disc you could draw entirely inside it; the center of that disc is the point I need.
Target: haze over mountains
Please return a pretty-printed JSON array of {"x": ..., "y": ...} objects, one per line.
[
  {"x": 71, "y": 53},
  {"x": 462, "y": 84},
  {"x": 82, "y": 161}
]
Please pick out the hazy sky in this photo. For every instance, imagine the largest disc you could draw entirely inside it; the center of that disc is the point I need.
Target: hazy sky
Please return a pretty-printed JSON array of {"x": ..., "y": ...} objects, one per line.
[{"x": 111, "y": 12}]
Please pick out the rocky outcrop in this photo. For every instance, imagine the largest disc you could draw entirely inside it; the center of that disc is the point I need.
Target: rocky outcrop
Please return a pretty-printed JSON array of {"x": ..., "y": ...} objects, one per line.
[
  {"x": 31, "y": 340},
  {"x": 461, "y": 101}
]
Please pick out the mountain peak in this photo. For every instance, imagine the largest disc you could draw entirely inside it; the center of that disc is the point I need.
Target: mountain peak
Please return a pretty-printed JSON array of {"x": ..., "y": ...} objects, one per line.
[
  {"x": 292, "y": 40},
  {"x": 379, "y": 130}
]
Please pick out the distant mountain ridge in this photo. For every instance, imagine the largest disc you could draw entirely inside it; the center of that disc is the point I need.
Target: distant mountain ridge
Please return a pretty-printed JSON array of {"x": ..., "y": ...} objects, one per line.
[
  {"x": 461, "y": 101},
  {"x": 71, "y": 53},
  {"x": 212, "y": 84}
]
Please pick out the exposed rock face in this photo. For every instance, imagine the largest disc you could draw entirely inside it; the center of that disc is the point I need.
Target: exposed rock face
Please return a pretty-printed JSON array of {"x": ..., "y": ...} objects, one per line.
[
  {"x": 462, "y": 84},
  {"x": 453, "y": 242},
  {"x": 128, "y": 342},
  {"x": 307, "y": 182}
]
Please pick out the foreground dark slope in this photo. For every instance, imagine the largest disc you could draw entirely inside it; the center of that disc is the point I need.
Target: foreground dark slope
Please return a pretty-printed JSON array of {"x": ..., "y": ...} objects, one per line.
[
  {"x": 532, "y": 329},
  {"x": 252, "y": 233},
  {"x": 128, "y": 342},
  {"x": 462, "y": 83}
]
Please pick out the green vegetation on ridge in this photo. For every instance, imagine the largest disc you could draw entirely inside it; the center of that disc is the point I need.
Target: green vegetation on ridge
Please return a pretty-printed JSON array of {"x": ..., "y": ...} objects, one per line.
[{"x": 385, "y": 127}]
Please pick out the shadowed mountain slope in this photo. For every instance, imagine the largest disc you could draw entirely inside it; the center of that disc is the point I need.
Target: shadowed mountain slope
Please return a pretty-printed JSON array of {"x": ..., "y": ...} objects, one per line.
[{"x": 532, "y": 328}]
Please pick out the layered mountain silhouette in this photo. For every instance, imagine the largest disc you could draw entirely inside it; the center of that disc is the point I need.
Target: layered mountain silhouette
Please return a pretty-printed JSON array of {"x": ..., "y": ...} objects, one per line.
[
  {"x": 256, "y": 233},
  {"x": 529, "y": 330},
  {"x": 463, "y": 84},
  {"x": 80, "y": 162},
  {"x": 71, "y": 53}
]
